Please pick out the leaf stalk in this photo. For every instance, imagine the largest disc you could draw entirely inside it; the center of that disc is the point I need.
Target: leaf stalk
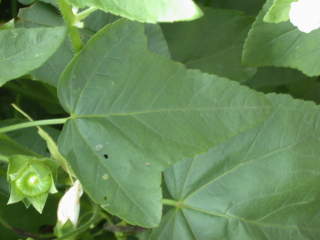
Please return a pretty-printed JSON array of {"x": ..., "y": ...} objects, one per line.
[
  {"x": 71, "y": 19},
  {"x": 46, "y": 122}
]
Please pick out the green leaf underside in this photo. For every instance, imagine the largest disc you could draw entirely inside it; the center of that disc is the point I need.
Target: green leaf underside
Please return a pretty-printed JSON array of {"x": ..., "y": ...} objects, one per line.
[
  {"x": 9, "y": 147},
  {"x": 41, "y": 14},
  {"x": 263, "y": 184},
  {"x": 279, "y": 11},
  {"x": 150, "y": 11},
  {"x": 248, "y": 6},
  {"x": 282, "y": 45},
  {"x": 23, "y": 50},
  {"x": 269, "y": 77},
  {"x": 180, "y": 113},
  {"x": 219, "y": 52}
]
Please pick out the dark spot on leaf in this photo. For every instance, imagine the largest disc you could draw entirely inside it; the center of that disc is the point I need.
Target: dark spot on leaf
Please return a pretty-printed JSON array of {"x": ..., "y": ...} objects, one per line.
[
  {"x": 105, "y": 198},
  {"x": 106, "y": 156}
]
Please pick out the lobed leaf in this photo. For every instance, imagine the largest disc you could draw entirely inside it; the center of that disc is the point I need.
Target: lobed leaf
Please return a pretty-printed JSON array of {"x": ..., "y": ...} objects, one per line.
[
  {"x": 134, "y": 113},
  {"x": 263, "y": 184}
]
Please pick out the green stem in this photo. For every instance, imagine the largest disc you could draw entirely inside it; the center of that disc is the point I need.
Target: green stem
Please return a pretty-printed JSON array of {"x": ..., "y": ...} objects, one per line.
[
  {"x": 70, "y": 19},
  {"x": 170, "y": 202},
  {"x": 85, "y": 13},
  {"x": 23, "y": 233},
  {"x": 106, "y": 216},
  {"x": 5, "y": 224},
  {"x": 33, "y": 124}
]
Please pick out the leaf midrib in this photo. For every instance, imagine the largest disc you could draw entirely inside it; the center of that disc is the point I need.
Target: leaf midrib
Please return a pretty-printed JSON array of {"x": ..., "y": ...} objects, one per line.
[
  {"x": 76, "y": 116},
  {"x": 253, "y": 222}
]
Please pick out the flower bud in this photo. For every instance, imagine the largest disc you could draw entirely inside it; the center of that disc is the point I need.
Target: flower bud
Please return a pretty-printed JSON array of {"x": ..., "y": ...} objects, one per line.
[
  {"x": 69, "y": 205},
  {"x": 31, "y": 180}
]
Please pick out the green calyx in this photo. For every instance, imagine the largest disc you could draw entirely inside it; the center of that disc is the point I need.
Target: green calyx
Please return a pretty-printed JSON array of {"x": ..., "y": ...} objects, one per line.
[{"x": 31, "y": 180}]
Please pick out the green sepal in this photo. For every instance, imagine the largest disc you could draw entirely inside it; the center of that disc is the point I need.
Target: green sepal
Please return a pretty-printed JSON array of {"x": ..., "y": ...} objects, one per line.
[
  {"x": 39, "y": 202},
  {"x": 31, "y": 180},
  {"x": 15, "y": 195}
]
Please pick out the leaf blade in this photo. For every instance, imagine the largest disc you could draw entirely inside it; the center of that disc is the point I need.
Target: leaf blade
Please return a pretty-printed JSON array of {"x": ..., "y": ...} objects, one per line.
[
  {"x": 263, "y": 184},
  {"x": 29, "y": 52},
  {"x": 147, "y": 132},
  {"x": 151, "y": 11}
]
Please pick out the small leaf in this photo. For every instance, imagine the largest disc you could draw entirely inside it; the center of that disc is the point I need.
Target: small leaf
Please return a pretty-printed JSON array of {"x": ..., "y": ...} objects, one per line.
[
  {"x": 23, "y": 50},
  {"x": 150, "y": 11},
  {"x": 279, "y": 11},
  {"x": 282, "y": 45}
]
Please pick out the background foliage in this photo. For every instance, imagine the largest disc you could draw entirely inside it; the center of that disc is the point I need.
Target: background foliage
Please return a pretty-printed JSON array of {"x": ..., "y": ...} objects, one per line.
[{"x": 182, "y": 119}]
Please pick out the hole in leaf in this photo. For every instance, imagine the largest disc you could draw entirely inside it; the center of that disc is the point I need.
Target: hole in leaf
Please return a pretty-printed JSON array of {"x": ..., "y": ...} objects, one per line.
[{"x": 106, "y": 156}]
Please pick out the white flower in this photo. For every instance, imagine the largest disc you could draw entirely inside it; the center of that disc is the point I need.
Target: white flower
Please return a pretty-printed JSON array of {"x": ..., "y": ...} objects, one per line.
[
  {"x": 69, "y": 205},
  {"x": 305, "y": 15}
]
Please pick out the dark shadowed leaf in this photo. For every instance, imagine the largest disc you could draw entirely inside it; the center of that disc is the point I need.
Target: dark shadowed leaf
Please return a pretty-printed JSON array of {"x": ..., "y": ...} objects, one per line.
[{"x": 219, "y": 52}]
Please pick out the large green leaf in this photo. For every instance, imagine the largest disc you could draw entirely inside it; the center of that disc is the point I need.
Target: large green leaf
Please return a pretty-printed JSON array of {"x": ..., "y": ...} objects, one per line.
[
  {"x": 262, "y": 185},
  {"x": 282, "y": 45},
  {"x": 150, "y": 11},
  {"x": 23, "y": 50},
  {"x": 212, "y": 44},
  {"x": 142, "y": 112},
  {"x": 41, "y": 14}
]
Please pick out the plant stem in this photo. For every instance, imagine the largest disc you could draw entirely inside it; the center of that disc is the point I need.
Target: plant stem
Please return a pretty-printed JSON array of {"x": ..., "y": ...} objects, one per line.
[
  {"x": 170, "y": 202},
  {"x": 95, "y": 218},
  {"x": 70, "y": 19},
  {"x": 23, "y": 233},
  {"x": 85, "y": 13},
  {"x": 33, "y": 124}
]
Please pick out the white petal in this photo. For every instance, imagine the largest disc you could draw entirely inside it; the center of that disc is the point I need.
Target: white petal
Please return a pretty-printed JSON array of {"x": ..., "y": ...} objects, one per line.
[
  {"x": 305, "y": 15},
  {"x": 69, "y": 205}
]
